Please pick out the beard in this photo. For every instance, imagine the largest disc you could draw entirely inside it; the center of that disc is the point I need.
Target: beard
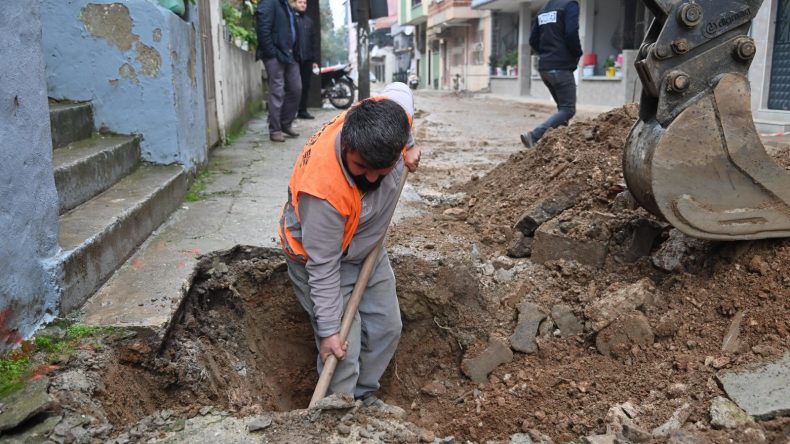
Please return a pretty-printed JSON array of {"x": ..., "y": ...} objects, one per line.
[{"x": 365, "y": 185}]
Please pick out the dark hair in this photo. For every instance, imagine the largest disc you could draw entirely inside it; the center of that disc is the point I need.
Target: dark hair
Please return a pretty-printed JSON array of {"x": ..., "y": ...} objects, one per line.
[{"x": 377, "y": 130}]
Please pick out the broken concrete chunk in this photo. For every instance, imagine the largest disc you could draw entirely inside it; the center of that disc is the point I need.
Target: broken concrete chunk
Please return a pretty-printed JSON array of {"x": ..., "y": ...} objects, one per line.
[
  {"x": 678, "y": 249},
  {"x": 674, "y": 423},
  {"x": 434, "y": 388},
  {"x": 520, "y": 245},
  {"x": 496, "y": 354},
  {"x": 600, "y": 439},
  {"x": 258, "y": 423},
  {"x": 335, "y": 401},
  {"x": 731, "y": 341},
  {"x": 635, "y": 434},
  {"x": 566, "y": 321},
  {"x": 618, "y": 302},
  {"x": 24, "y": 404},
  {"x": 529, "y": 318},
  {"x": 762, "y": 391},
  {"x": 552, "y": 244},
  {"x": 725, "y": 414},
  {"x": 641, "y": 238},
  {"x": 546, "y": 209},
  {"x": 618, "y": 415},
  {"x": 619, "y": 337}
]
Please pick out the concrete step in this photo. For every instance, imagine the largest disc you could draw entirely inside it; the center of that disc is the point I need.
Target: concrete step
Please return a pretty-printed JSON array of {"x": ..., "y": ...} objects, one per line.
[
  {"x": 70, "y": 122},
  {"x": 85, "y": 168},
  {"x": 99, "y": 235},
  {"x": 765, "y": 126}
]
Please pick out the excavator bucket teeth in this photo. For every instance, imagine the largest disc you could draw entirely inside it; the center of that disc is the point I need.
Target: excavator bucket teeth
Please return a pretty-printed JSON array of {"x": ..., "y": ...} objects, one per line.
[{"x": 707, "y": 172}]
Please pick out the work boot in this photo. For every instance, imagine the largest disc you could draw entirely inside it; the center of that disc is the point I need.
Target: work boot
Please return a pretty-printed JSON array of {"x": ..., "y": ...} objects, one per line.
[
  {"x": 290, "y": 132},
  {"x": 276, "y": 137},
  {"x": 374, "y": 403},
  {"x": 527, "y": 140},
  {"x": 305, "y": 115}
]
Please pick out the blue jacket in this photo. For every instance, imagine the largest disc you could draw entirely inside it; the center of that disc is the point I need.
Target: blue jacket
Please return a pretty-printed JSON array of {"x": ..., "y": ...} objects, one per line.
[{"x": 277, "y": 33}]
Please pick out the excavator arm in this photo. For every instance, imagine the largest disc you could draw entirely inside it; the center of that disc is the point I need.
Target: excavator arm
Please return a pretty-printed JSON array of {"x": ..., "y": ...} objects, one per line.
[{"x": 694, "y": 158}]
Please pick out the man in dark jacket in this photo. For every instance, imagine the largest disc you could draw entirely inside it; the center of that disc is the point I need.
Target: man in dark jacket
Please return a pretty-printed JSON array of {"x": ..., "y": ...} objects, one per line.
[
  {"x": 277, "y": 47},
  {"x": 309, "y": 53},
  {"x": 555, "y": 37}
]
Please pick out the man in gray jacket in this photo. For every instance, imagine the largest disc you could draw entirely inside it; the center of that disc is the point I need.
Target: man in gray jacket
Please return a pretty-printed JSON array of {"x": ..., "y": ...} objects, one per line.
[{"x": 341, "y": 196}]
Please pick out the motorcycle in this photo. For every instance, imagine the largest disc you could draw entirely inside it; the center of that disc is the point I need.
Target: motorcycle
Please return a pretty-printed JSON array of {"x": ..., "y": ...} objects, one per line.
[
  {"x": 337, "y": 85},
  {"x": 414, "y": 80}
]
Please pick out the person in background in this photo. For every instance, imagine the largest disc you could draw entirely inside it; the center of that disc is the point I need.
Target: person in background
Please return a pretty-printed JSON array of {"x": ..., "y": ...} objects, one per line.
[
  {"x": 555, "y": 37},
  {"x": 309, "y": 53},
  {"x": 278, "y": 48},
  {"x": 341, "y": 196}
]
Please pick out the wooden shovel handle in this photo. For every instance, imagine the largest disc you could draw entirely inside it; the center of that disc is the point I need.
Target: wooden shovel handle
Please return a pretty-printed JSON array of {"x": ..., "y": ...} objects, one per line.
[{"x": 351, "y": 309}]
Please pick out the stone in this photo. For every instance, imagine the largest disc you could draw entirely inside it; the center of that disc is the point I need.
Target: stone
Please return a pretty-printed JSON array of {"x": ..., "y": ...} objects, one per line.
[
  {"x": 335, "y": 401},
  {"x": 759, "y": 265},
  {"x": 343, "y": 429},
  {"x": 552, "y": 244},
  {"x": 675, "y": 422},
  {"x": 25, "y": 404},
  {"x": 625, "y": 201},
  {"x": 641, "y": 238},
  {"x": 762, "y": 391},
  {"x": 504, "y": 276},
  {"x": 686, "y": 435},
  {"x": 434, "y": 388},
  {"x": 731, "y": 342},
  {"x": 496, "y": 354},
  {"x": 427, "y": 435},
  {"x": 618, "y": 338},
  {"x": 36, "y": 433},
  {"x": 724, "y": 414},
  {"x": 677, "y": 390},
  {"x": 617, "y": 302},
  {"x": 678, "y": 249},
  {"x": 566, "y": 321},
  {"x": 635, "y": 434},
  {"x": 455, "y": 214},
  {"x": 547, "y": 209},
  {"x": 520, "y": 245},
  {"x": 529, "y": 318},
  {"x": 258, "y": 423},
  {"x": 618, "y": 415},
  {"x": 600, "y": 439}
]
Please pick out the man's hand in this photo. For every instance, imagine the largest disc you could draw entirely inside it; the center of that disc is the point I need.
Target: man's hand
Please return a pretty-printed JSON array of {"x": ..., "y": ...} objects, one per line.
[
  {"x": 331, "y": 346},
  {"x": 412, "y": 158}
]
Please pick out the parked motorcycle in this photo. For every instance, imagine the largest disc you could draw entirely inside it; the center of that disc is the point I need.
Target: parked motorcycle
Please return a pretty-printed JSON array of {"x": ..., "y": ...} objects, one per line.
[
  {"x": 414, "y": 80},
  {"x": 337, "y": 85}
]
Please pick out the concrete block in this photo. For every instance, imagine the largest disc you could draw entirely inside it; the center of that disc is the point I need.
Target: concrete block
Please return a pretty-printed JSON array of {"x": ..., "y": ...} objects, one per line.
[
  {"x": 529, "y": 319},
  {"x": 552, "y": 244},
  {"x": 546, "y": 209},
  {"x": 762, "y": 391},
  {"x": 618, "y": 301}
]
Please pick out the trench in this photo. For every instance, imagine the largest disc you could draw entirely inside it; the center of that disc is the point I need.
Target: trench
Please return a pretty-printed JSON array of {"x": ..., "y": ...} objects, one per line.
[{"x": 241, "y": 342}]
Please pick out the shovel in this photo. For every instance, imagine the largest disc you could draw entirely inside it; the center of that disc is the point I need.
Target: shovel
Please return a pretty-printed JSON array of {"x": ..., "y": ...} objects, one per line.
[{"x": 351, "y": 309}]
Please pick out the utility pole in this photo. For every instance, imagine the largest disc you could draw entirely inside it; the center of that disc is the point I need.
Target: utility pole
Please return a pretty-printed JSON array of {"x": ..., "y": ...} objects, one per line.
[{"x": 363, "y": 57}]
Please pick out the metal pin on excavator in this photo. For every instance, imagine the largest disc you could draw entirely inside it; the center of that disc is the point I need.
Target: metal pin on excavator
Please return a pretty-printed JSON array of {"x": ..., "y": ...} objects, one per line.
[{"x": 694, "y": 158}]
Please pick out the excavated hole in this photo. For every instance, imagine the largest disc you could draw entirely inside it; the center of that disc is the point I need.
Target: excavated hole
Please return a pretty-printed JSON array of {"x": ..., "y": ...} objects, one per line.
[{"x": 241, "y": 343}]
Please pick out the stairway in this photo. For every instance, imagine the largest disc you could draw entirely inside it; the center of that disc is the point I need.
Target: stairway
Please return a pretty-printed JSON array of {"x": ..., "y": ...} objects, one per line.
[{"x": 109, "y": 201}]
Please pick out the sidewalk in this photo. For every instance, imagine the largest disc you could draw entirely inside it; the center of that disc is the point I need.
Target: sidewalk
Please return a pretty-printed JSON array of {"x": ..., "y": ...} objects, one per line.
[{"x": 237, "y": 201}]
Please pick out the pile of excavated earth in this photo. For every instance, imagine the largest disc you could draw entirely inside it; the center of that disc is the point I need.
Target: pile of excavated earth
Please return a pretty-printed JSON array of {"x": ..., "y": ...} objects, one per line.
[{"x": 540, "y": 304}]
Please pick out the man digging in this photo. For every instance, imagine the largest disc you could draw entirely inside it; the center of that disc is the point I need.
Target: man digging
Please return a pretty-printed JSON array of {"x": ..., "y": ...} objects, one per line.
[{"x": 341, "y": 196}]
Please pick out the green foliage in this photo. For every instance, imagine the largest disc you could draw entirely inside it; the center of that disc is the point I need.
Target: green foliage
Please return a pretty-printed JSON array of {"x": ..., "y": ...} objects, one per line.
[
  {"x": 334, "y": 41},
  {"x": 240, "y": 21},
  {"x": 510, "y": 59},
  {"x": 11, "y": 374},
  {"x": 195, "y": 192}
]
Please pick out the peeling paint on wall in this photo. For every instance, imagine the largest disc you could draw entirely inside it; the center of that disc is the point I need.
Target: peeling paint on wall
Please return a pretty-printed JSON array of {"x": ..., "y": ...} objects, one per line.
[
  {"x": 109, "y": 22},
  {"x": 157, "y": 35},
  {"x": 191, "y": 60},
  {"x": 149, "y": 59},
  {"x": 127, "y": 71}
]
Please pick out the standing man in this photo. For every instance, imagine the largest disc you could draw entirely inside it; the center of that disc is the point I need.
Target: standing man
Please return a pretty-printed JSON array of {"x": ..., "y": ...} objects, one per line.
[
  {"x": 277, "y": 47},
  {"x": 309, "y": 53},
  {"x": 342, "y": 193},
  {"x": 555, "y": 37}
]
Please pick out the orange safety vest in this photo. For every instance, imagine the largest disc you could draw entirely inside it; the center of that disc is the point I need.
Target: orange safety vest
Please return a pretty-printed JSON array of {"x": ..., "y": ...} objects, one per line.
[{"x": 319, "y": 173}]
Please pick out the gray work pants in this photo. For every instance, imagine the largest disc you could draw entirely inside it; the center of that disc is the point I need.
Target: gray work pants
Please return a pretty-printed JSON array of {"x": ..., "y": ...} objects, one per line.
[
  {"x": 374, "y": 333},
  {"x": 562, "y": 86},
  {"x": 285, "y": 89}
]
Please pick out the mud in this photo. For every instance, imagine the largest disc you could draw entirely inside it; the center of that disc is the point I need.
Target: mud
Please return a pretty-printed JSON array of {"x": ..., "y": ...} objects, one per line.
[{"x": 622, "y": 345}]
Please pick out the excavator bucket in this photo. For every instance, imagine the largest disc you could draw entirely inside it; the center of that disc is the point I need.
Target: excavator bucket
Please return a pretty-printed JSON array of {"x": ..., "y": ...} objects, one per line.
[{"x": 694, "y": 158}]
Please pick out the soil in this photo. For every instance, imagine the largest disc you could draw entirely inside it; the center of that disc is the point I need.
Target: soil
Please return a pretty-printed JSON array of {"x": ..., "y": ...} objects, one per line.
[{"x": 241, "y": 344}]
